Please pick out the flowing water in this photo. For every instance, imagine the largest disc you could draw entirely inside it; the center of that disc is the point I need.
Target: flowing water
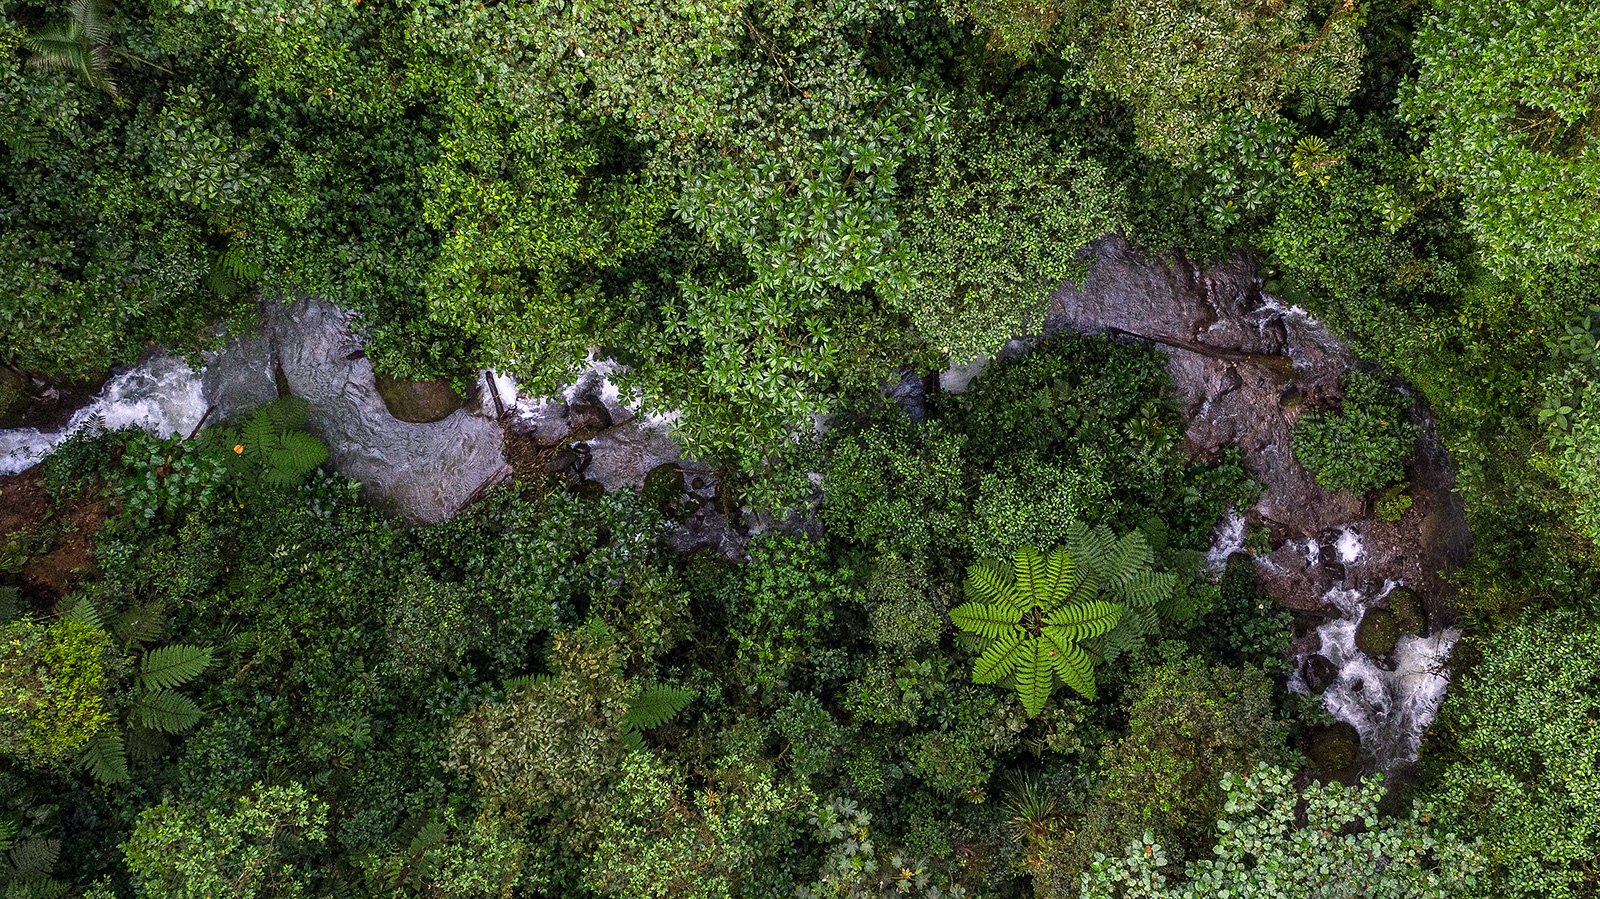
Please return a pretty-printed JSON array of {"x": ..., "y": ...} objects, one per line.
[{"x": 1389, "y": 709}]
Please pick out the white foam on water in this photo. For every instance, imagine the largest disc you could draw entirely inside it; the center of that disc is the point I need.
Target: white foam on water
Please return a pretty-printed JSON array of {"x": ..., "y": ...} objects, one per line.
[
  {"x": 162, "y": 396},
  {"x": 1349, "y": 545},
  {"x": 1227, "y": 539},
  {"x": 1389, "y": 709}
]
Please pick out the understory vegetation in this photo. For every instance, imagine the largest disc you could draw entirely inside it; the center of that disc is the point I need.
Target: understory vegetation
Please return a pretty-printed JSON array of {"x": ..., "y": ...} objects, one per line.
[{"x": 973, "y": 648}]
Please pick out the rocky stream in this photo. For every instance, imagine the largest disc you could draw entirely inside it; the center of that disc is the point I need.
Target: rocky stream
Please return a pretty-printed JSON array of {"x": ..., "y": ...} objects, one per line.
[{"x": 1243, "y": 365}]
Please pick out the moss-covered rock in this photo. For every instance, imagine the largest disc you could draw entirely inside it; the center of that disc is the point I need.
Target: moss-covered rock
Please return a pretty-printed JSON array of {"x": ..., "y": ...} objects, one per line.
[
  {"x": 1335, "y": 749},
  {"x": 1408, "y": 611},
  {"x": 418, "y": 402},
  {"x": 663, "y": 487},
  {"x": 1378, "y": 632}
]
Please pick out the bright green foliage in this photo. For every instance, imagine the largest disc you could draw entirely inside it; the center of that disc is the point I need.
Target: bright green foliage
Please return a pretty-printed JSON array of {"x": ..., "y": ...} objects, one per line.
[
  {"x": 1264, "y": 851},
  {"x": 1523, "y": 742},
  {"x": 552, "y": 745},
  {"x": 1034, "y": 503},
  {"x": 250, "y": 846},
  {"x": 1033, "y": 614},
  {"x": 173, "y": 666},
  {"x": 663, "y": 839},
  {"x": 1363, "y": 446},
  {"x": 1185, "y": 65},
  {"x": 1000, "y": 213},
  {"x": 1508, "y": 95},
  {"x": 1188, "y": 724},
  {"x": 51, "y": 681},
  {"x": 897, "y": 485}
]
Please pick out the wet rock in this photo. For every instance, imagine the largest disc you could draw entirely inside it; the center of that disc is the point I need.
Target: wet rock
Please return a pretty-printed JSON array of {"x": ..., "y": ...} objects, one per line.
[
  {"x": 1319, "y": 673},
  {"x": 428, "y": 470},
  {"x": 418, "y": 402},
  {"x": 911, "y": 392},
  {"x": 589, "y": 415}
]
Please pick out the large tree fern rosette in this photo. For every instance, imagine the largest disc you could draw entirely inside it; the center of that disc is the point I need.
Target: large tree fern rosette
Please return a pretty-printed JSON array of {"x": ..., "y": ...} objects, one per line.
[{"x": 1035, "y": 612}]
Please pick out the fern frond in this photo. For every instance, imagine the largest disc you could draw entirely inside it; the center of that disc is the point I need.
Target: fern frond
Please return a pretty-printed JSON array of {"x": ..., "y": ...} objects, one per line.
[
  {"x": 1032, "y": 573},
  {"x": 1060, "y": 577},
  {"x": 524, "y": 681},
  {"x": 1000, "y": 657},
  {"x": 1126, "y": 559},
  {"x": 259, "y": 437},
  {"x": 106, "y": 758},
  {"x": 8, "y": 603},
  {"x": 1035, "y": 675},
  {"x": 989, "y": 581},
  {"x": 1147, "y": 588},
  {"x": 144, "y": 743},
  {"x": 296, "y": 455},
  {"x": 237, "y": 263},
  {"x": 654, "y": 704},
  {"x": 286, "y": 413},
  {"x": 166, "y": 711},
  {"x": 1074, "y": 668},
  {"x": 173, "y": 666},
  {"x": 140, "y": 624},
  {"x": 985, "y": 619},
  {"x": 34, "y": 857},
  {"x": 85, "y": 612},
  {"x": 1084, "y": 621}
]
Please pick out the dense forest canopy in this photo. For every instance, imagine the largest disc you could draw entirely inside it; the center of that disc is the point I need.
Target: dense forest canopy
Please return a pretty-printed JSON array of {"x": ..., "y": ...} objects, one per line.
[{"x": 970, "y": 650}]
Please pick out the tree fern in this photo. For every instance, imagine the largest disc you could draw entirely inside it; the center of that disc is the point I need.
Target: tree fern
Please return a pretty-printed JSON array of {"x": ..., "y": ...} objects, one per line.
[
  {"x": 166, "y": 711},
  {"x": 144, "y": 743},
  {"x": 80, "y": 45},
  {"x": 651, "y": 706},
  {"x": 1034, "y": 614},
  {"x": 173, "y": 666},
  {"x": 141, "y": 624},
  {"x": 106, "y": 758},
  {"x": 34, "y": 857}
]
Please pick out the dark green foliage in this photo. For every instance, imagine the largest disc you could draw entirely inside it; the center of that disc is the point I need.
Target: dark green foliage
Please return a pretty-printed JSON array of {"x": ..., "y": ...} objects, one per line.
[
  {"x": 1188, "y": 725},
  {"x": 1378, "y": 632},
  {"x": 1243, "y": 625},
  {"x": 1366, "y": 444},
  {"x": 905, "y": 606},
  {"x": 897, "y": 485}
]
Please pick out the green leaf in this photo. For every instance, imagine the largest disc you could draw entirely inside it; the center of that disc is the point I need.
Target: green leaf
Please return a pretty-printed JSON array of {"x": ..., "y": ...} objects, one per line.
[
  {"x": 654, "y": 704},
  {"x": 1084, "y": 621},
  {"x": 173, "y": 666},
  {"x": 106, "y": 758},
  {"x": 989, "y": 581},
  {"x": 1000, "y": 657},
  {"x": 166, "y": 711},
  {"x": 1035, "y": 675},
  {"x": 985, "y": 619}
]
